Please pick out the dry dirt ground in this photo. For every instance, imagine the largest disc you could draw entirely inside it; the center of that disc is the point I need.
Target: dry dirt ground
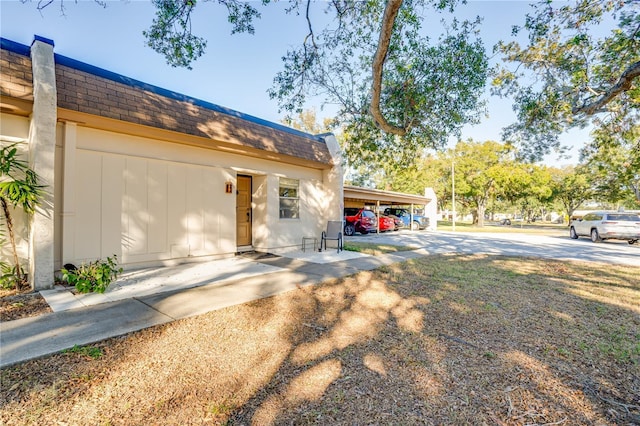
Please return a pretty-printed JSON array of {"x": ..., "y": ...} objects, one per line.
[
  {"x": 441, "y": 340},
  {"x": 15, "y": 304}
]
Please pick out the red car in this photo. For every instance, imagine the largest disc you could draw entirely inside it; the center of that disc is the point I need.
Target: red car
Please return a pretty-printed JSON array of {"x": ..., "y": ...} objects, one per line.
[
  {"x": 364, "y": 221},
  {"x": 387, "y": 223}
]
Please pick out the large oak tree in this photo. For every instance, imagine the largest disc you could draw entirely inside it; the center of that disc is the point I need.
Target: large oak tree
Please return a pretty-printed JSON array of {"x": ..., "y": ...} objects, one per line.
[
  {"x": 397, "y": 89},
  {"x": 580, "y": 66},
  {"x": 400, "y": 91}
]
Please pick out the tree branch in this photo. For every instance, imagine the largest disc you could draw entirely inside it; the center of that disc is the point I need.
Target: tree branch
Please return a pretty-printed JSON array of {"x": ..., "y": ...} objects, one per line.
[
  {"x": 311, "y": 34},
  {"x": 623, "y": 84},
  {"x": 388, "y": 19}
]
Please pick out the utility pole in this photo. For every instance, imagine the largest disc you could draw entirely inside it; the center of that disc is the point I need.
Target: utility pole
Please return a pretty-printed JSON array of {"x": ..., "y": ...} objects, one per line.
[{"x": 453, "y": 193}]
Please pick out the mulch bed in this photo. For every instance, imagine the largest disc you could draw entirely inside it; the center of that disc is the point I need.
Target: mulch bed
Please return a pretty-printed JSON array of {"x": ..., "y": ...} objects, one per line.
[{"x": 15, "y": 305}]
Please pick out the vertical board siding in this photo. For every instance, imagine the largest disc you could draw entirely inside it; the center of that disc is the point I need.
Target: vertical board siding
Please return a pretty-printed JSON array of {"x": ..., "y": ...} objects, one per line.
[
  {"x": 146, "y": 210},
  {"x": 177, "y": 211},
  {"x": 195, "y": 213},
  {"x": 157, "y": 189},
  {"x": 88, "y": 207},
  {"x": 111, "y": 211},
  {"x": 135, "y": 206}
]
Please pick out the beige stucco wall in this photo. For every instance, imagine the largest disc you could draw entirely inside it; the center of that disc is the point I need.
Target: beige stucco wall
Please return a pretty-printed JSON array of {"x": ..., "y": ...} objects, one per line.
[{"x": 153, "y": 201}]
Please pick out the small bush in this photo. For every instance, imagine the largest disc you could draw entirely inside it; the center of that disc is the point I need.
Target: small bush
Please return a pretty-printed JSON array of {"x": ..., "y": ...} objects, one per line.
[{"x": 93, "y": 277}]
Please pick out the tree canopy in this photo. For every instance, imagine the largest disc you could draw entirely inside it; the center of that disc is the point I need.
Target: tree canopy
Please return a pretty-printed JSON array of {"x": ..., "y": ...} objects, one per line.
[
  {"x": 580, "y": 66},
  {"x": 400, "y": 88},
  {"x": 398, "y": 91},
  {"x": 612, "y": 159}
]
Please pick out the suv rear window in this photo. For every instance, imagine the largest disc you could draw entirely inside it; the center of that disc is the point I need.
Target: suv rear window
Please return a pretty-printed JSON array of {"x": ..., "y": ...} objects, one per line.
[{"x": 624, "y": 217}]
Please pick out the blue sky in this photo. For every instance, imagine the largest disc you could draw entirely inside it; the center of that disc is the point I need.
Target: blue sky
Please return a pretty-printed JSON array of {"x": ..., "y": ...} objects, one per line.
[{"x": 236, "y": 70}]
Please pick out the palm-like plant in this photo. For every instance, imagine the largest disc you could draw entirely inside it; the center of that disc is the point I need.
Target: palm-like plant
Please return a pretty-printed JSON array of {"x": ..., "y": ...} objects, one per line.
[{"x": 19, "y": 188}]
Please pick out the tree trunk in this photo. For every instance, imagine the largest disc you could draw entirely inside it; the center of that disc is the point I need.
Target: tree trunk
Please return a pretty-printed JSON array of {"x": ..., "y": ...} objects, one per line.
[
  {"x": 481, "y": 210},
  {"x": 12, "y": 240}
]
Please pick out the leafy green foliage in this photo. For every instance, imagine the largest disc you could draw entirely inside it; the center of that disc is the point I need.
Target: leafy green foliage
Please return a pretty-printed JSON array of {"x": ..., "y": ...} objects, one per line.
[
  {"x": 571, "y": 187},
  {"x": 19, "y": 188},
  {"x": 612, "y": 159},
  {"x": 171, "y": 33},
  {"x": 10, "y": 277},
  {"x": 94, "y": 276},
  {"x": 19, "y": 185},
  {"x": 307, "y": 121},
  {"x": 429, "y": 88},
  {"x": 479, "y": 170},
  {"x": 568, "y": 77}
]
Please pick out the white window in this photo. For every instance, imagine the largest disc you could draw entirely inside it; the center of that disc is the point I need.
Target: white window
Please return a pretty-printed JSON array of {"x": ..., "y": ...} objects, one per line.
[{"x": 289, "y": 198}]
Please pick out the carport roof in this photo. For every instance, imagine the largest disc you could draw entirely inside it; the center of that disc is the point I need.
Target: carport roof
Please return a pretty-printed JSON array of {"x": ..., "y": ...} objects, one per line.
[{"x": 368, "y": 195}]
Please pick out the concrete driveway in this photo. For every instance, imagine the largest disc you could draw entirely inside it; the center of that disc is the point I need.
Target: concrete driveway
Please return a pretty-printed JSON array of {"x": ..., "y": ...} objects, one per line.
[{"x": 559, "y": 246}]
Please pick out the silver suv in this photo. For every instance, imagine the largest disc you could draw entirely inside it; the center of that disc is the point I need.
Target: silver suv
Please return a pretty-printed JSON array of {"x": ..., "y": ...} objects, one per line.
[{"x": 607, "y": 225}]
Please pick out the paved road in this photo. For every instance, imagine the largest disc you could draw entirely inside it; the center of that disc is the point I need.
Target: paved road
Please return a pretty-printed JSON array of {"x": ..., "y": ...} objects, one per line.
[{"x": 559, "y": 247}]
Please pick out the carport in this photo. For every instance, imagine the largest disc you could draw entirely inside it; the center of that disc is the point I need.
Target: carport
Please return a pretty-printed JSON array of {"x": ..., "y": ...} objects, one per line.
[{"x": 355, "y": 196}]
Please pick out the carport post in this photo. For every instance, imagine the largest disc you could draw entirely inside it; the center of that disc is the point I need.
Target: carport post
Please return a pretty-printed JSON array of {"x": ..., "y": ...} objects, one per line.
[
  {"x": 378, "y": 216},
  {"x": 411, "y": 218}
]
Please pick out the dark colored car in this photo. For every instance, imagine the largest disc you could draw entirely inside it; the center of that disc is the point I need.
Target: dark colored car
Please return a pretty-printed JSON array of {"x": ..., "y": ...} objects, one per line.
[
  {"x": 397, "y": 222},
  {"x": 419, "y": 222},
  {"x": 364, "y": 221}
]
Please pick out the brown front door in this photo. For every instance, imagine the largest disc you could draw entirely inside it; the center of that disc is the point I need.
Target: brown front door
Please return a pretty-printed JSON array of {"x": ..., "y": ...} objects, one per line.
[{"x": 243, "y": 211}]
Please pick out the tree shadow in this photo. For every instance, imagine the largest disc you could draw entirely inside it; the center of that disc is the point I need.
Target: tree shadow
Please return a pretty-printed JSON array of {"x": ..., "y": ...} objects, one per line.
[{"x": 447, "y": 339}]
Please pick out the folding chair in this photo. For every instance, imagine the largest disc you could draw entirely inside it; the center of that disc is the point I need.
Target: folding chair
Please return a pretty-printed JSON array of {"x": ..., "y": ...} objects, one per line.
[{"x": 333, "y": 232}]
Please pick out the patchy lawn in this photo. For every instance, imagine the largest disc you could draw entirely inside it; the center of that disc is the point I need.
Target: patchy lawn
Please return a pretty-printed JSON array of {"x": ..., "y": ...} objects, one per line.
[
  {"x": 375, "y": 249},
  {"x": 540, "y": 228},
  {"x": 442, "y": 340}
]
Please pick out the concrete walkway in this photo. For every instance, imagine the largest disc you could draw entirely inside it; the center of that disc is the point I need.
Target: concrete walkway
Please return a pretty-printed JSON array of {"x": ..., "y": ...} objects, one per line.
[{"x": 144, "y": 298}]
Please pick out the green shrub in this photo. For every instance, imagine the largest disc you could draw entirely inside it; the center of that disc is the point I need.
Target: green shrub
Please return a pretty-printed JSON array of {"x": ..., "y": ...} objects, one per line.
[
  {"x": 10, "y": 278},
  {"x": 93, "y": 277}
]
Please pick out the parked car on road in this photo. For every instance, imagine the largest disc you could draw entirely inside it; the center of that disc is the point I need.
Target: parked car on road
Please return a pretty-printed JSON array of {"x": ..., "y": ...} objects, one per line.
[
  {"x": 603, "y": 225},
  {"x": 364, "y": 221},
  {"x": 419, "y": 222}
]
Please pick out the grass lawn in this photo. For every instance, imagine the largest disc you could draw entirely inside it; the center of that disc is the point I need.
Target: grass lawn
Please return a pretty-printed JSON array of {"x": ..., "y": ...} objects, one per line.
[
  {"x": 449, "y": 339},
  {"x": 375, "y": 249},
  {"x": 516, "y": 227}
]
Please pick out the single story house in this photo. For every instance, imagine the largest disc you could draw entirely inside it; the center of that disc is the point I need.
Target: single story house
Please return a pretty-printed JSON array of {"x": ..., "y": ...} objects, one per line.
[{"x": 153, "y": 176}]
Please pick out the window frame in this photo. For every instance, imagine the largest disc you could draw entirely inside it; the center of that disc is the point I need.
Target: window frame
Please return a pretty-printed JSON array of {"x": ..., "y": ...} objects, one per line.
[{"x": 286, "y": 202}]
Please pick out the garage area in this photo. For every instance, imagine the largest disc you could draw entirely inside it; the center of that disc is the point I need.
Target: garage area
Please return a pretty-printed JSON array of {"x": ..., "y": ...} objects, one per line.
[{"x": 379, "y": 201}]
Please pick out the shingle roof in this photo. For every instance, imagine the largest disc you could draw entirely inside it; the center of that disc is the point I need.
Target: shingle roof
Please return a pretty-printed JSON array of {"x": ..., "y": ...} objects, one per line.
[
  {"x": 88, "y": 89},
  {"x": 16, "y": 76}
]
